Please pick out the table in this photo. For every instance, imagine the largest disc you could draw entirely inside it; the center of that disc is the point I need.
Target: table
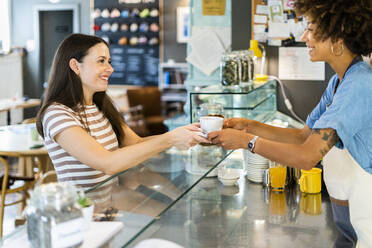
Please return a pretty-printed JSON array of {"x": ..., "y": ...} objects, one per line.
[
  {"x": 16, "y": 141},
  {"x": 9, "y": 104}
]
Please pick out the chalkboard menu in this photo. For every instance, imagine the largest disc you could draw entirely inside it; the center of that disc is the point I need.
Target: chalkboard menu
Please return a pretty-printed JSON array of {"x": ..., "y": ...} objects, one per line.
[{"x": 131, "y": 28}]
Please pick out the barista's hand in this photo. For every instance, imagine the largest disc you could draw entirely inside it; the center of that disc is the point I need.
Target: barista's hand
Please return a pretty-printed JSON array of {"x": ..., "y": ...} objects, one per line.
[
  {"x": 187, "y": 136},
  {"x": 229, "y": 138},
  {"x": 236, "y": 123}
]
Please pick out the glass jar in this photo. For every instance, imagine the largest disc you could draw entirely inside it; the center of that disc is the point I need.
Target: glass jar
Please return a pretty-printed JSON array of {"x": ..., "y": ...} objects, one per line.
[
  {"x": 229, "y": 69},
  {"x": 211, "y": 109},
  {"x": 53, "y": 217},
  {"x": 246, "y": 67}
]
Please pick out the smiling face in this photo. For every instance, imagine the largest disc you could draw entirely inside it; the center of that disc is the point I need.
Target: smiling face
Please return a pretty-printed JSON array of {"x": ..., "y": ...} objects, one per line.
[
  {"x": 95, "y": 70},
  {"x": 318, "y": 50}
]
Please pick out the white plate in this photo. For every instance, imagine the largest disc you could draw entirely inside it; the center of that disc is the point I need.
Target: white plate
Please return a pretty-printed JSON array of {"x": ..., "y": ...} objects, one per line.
[
  {"x": 248, "y": 161},
  {"x": 256, "y": 167},
  {"x": 255, "y": 180},
  {"x": 255, "y": 177},
  {"x": 255, "y": 170}
]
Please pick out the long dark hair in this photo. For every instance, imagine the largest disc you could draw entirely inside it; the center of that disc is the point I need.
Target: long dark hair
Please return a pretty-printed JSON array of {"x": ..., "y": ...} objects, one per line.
[{"x": 65, "y": 87}]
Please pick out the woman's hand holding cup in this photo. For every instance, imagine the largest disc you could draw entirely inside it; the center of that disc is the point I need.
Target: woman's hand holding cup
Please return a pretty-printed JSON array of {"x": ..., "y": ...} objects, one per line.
[
  {"x": 187, "y": 136},
  {"x": 229, "y": 138}
]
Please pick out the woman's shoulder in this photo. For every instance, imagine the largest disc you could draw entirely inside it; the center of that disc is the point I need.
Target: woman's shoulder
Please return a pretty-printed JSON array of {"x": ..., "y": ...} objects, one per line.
[
  {"x": 361, "y": 70},
  {"x": 59, "y": 107},
  {"x": 59, "y": 110}
]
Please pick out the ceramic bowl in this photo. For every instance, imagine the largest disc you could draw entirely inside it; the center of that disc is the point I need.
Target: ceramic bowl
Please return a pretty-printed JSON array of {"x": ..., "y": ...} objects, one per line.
[
  {"x": 228, "y": 182},
  {"x": 228, "y": 173},
  {"x": 228, "y": 176}
]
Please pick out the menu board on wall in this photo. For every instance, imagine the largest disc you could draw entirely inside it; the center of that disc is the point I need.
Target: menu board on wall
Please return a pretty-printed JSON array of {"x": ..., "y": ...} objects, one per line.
[{"x": 131, "y": 28}]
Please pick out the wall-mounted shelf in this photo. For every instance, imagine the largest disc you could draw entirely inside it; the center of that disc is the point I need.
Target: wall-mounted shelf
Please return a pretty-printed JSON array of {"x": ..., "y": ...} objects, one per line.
[{"x": 171, "y": 84}]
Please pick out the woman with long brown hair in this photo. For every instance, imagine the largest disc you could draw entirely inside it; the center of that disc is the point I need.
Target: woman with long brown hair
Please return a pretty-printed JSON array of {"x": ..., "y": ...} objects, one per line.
[{"x": 85, "y": 136}]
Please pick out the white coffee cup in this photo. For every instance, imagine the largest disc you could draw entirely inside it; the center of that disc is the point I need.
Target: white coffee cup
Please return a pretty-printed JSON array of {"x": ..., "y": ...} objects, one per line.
[{"x": 211, "y": 123}]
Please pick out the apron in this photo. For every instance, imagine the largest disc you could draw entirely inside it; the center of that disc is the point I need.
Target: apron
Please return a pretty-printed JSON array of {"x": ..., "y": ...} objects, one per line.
[{"x": 347, "y": 180}]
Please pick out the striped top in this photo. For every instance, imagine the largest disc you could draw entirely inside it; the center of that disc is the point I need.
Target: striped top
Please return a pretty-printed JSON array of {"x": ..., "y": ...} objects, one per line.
[{"x": 58, "y": 118}]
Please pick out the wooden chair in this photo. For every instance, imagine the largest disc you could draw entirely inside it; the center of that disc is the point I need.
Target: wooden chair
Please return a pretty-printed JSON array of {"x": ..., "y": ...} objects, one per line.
[
  {"x": 30, "y": 120},
  {"x": 6, "y": 189},
  {"x": 135, "y": 119},
  {"x": 49, "y": 177},
  {"x": 150, "y": 99}
]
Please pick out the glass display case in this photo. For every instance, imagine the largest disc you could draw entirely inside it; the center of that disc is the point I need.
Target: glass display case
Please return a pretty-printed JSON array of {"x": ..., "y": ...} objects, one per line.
[
  {"x": 145, "y": 197},
  {"x": 256, "y": 102},
  {"x": 138, "y": 196}
]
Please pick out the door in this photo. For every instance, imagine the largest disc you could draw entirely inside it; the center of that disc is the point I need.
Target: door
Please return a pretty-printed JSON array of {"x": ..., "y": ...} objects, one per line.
[{"x": 55, "y": 25}]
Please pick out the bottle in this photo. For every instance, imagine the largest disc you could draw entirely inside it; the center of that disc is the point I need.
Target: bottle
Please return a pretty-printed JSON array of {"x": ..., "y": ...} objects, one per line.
[
  {"x": 246, "y": 68},
  {"x": 229, "y": 69},
  {"x": 53, "y": 217}
]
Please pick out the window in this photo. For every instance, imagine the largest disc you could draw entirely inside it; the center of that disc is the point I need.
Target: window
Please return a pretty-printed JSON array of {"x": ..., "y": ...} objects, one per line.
[{"x": 4, "y": 26}]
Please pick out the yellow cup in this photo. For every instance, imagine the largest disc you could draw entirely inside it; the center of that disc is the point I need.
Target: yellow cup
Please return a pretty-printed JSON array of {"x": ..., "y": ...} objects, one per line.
[
  {"x": 311, "y": 204},
  {"x": 311, "y": 181},
  {"x": 278, "y": 174}
]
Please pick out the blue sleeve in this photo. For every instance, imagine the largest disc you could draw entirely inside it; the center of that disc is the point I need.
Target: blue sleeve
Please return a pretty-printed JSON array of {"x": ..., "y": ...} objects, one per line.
[
  {"x": 322, "y": 105},
  {"x": 347, "y": 112}
]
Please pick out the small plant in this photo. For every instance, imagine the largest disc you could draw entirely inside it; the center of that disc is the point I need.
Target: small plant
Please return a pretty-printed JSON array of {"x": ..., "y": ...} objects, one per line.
[{"x": 84, "y": 201}]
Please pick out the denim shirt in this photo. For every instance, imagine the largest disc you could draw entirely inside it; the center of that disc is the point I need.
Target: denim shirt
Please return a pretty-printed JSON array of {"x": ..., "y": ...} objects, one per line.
[{"x": 350, "y": 113}]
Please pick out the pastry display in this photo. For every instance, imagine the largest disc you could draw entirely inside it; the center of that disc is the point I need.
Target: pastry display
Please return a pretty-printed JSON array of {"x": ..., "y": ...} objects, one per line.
[
  {"x": 133, "y": 27},
  {"x": 106, "y": 27},
  {"x": 123, "y": 41},
  {"x": 144, "y": 27},
  {"x": 105, "y": 13},
  {"x": 124, "y": 27},
  {"x": 154, "y": 27},
  {"x": 115, "y": 13},
  {"x": 144, "y": 13},
  {"x": 114, "y": 27},
  {"x": 135, "y": 12},
  {"x": 154, "y": 13},
  {"x": 153, "y": 41},
  {"x": 124, "y": 13},
  {"x": 133, "y": 41},
  {"x": 142, "y": 40}
]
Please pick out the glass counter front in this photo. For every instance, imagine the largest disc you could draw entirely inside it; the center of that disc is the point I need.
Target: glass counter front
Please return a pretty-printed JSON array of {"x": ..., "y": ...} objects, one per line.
[
  {"x": 138, "y": 196},
  {"x": 176, "y": 196},
  {"x": 258, "y": 102}
]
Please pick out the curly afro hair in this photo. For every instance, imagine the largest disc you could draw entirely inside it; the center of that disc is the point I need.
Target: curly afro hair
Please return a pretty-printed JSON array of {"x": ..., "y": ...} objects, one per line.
[{"x": 349, "y": 20}]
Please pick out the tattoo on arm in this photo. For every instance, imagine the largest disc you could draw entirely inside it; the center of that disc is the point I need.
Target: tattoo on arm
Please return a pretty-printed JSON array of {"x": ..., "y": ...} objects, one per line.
[{"x": 329, "y": 136}]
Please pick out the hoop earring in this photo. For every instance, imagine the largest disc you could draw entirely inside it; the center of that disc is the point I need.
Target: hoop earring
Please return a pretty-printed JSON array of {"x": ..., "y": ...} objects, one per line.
[{"x": 339, "y": 54}]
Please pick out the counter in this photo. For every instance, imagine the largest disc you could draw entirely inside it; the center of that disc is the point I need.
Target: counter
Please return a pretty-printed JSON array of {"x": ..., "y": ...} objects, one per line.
[
  {"x": 176, "y": 195},
  {"x": 247, "y": 215},
  {"x": 166, "y": 198}
]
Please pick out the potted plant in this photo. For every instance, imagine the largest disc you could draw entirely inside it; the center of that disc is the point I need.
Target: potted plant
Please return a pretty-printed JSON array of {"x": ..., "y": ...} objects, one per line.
[{"x": 87, "y": 208}]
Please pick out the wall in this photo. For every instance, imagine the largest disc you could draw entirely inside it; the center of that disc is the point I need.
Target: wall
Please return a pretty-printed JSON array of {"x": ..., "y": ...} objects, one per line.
[
  {"x": 211, "y": 22},
  {"x": 172, "y": 49},
  {"x": 304, "y": 95},
  {"x": 22, "y": 29}
]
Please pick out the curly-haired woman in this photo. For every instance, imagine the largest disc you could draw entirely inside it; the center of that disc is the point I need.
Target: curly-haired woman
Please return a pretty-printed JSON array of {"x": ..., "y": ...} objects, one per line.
[{"x": 339, "y": 129}]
